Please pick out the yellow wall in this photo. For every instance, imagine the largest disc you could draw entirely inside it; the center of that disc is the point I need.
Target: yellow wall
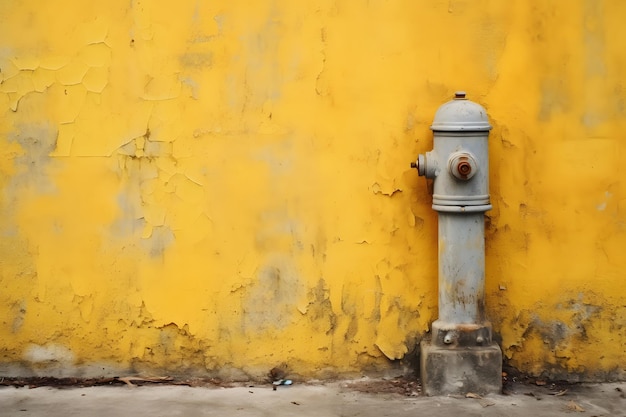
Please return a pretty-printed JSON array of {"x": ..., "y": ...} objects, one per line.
[{"x": 220, "y": 187}]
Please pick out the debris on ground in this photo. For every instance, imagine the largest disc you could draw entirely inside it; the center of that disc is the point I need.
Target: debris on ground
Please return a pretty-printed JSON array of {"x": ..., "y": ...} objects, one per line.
[
  {"x": 486, "y": 403},
  {"x": 35, "y": 382},
  {"x": 532, "y": 394},
  {"x": 278, "y": 372},
  {"x": 514, "y": 380},
  {"x": 128, "y": 380},
  {"x": 277, "y": 376},
  {"x": 281, "y": 382},
  {"x": 402, "y": 385},
  {"x": 203, "y": 382},
  {"x": 572, "y": 406}
]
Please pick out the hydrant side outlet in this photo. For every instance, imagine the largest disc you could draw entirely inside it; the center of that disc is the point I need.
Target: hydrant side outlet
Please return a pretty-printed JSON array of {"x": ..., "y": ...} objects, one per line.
[{"x": 461, "y": 356}]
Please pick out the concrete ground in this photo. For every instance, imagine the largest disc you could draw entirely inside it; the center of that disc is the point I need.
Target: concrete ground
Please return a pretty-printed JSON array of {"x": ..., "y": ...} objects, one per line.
[{"x": 344, "y": 398}]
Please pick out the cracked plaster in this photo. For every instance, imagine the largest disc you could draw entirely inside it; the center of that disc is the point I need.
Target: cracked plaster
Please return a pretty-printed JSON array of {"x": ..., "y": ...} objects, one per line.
[{"x": 209, "y": 189}]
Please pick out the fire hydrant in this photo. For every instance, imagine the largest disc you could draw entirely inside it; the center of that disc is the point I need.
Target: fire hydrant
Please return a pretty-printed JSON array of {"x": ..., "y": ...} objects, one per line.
[{"x": 461, "y": 356}]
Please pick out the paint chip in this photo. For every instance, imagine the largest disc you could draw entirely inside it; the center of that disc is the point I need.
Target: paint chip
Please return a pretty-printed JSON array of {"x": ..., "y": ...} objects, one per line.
[
  {"x": 95, "y": 55},
  {"x": 42, "y": 79},
  {"x": 73, "y": 73},
  {"x": 26, "y": 63},
  {"x": 96, "y": 79},
  {"x": 391, "y": 350}
]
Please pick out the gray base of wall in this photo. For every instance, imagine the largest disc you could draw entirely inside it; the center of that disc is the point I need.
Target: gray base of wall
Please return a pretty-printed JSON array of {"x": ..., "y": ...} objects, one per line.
[{"x": 460, "y": 370}]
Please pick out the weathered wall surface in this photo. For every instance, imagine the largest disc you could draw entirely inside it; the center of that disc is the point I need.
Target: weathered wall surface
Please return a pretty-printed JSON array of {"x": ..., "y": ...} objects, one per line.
[{"x": 225, "y": 186}]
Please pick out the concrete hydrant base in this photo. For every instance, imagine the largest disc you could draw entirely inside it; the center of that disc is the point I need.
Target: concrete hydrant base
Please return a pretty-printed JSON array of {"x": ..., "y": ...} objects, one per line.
[{"x": 460, "y": 370}]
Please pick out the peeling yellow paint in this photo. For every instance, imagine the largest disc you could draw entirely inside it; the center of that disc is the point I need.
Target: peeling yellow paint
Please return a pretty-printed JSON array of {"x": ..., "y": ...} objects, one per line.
[{"x": 221, "y": 187}]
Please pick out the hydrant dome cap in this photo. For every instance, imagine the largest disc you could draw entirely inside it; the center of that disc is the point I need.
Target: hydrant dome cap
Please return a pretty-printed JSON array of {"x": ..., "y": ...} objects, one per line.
[{"x": 461, "y": 114}]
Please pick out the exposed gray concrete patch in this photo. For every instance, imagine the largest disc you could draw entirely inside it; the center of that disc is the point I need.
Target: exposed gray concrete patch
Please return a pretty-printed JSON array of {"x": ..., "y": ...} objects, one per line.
[
  {"x": 37, "y": 140},
  {"x": 19, "y": 313},
  {"x": 274, "y": 297},
  {"x": 162, "y": 237}
]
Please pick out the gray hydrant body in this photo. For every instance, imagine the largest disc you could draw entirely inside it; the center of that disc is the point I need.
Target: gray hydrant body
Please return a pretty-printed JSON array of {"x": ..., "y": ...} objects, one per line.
[{"x": 461, "y": 356}]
